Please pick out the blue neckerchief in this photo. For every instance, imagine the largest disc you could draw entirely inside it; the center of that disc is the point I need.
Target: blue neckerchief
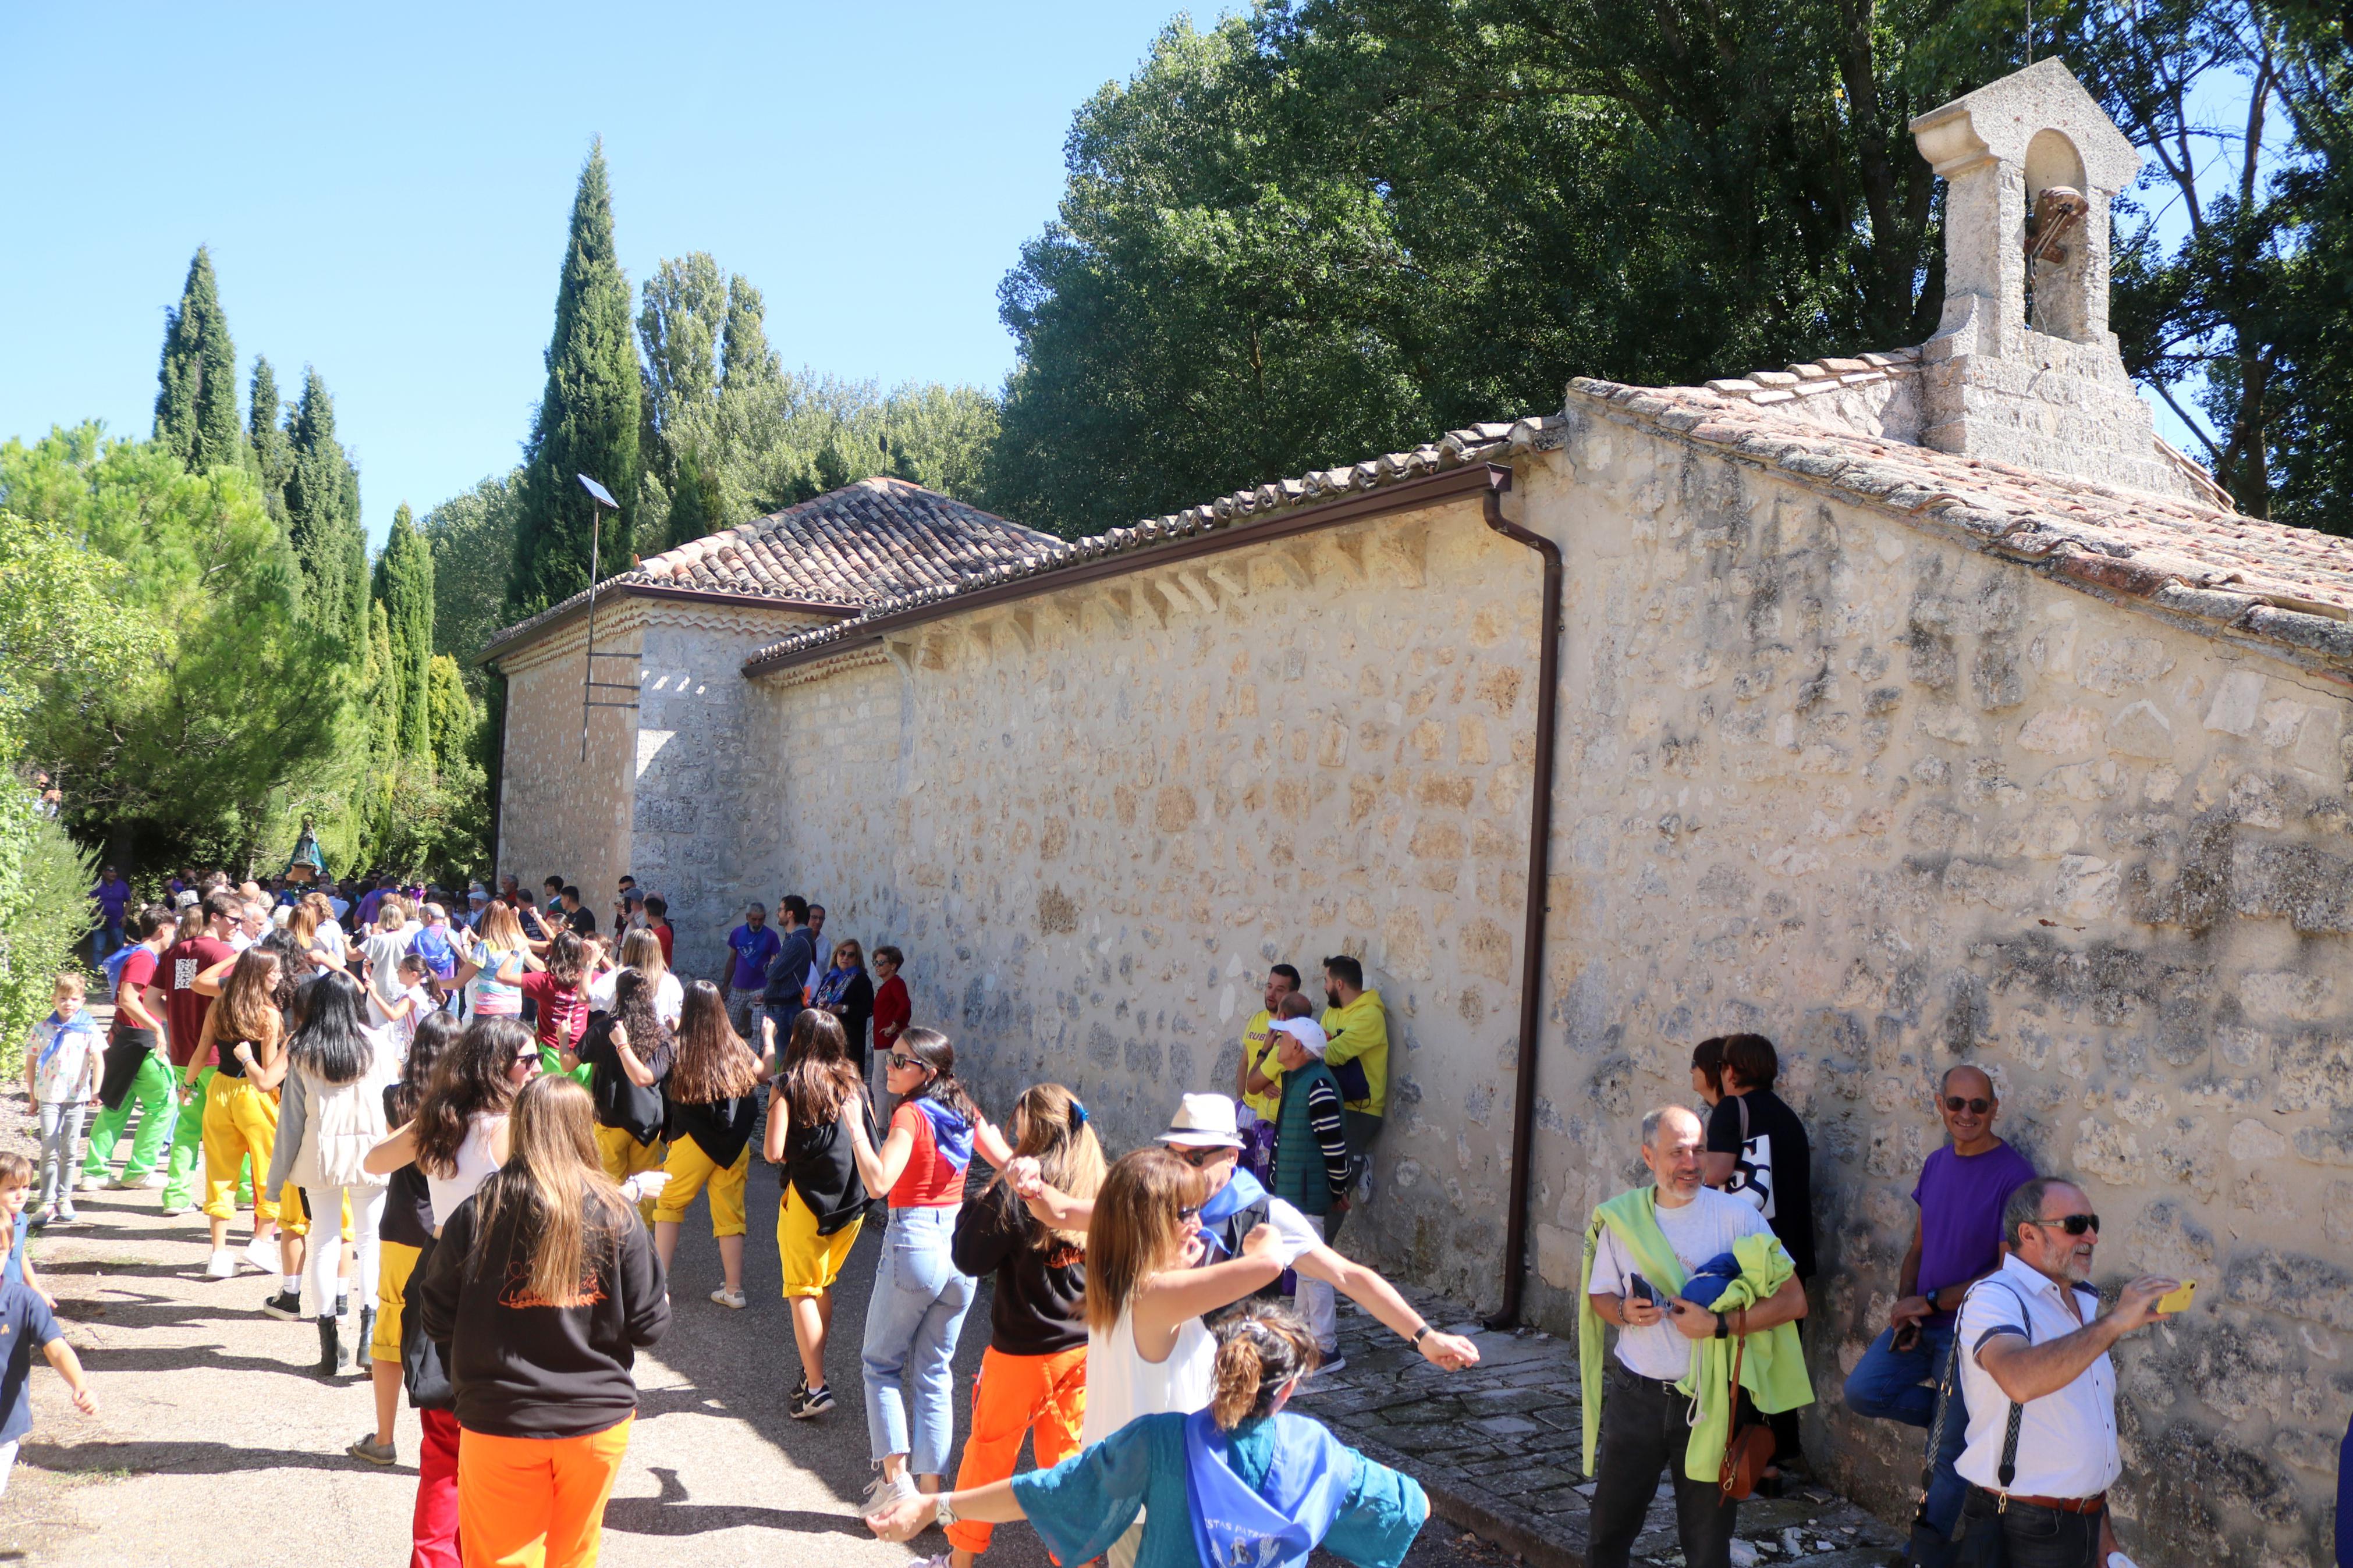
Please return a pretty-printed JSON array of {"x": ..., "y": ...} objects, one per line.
[
  {"x": 1277, "y": 1523},
  {"x": 83, "y": 1024},
  {"x": 1240, "y": 1191},
  {"x": 951, "y": 1133}
]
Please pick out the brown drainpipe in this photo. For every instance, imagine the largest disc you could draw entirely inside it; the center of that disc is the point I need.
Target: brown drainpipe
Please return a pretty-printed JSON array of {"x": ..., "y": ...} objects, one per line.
[{"x": 1532, "y": 939}]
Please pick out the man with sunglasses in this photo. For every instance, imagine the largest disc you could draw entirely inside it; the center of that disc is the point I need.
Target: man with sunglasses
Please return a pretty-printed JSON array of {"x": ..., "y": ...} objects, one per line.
[
  {"x": 2033, "y": 1338},
  {"x": 1955, "y": 1242}
]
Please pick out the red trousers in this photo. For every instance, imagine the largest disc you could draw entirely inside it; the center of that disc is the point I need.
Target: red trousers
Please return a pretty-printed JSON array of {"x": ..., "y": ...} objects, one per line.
[{"x": 435, "y": 1526}]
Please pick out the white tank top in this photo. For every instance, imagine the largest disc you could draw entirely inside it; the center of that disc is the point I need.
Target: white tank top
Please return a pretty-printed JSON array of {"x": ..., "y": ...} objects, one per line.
[
  {"x": 1123, "y": 1386},
  {"x": 475, "y": 1163}
]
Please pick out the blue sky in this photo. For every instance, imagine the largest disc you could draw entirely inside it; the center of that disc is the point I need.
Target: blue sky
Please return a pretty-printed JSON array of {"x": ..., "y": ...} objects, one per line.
[{"x": 385, "y": 192}]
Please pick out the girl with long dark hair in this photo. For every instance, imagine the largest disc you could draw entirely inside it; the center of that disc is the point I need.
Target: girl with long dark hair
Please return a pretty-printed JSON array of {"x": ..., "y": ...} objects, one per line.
[
  {"x": 628, "y": 1053},
  {"x": 334, "y": 1071},
  {"x": 544, "y": 1289},
  {"x": 825, "y": 1202},
  {"x": 1239, "y": 1480},
  {"x": 401, "y": 1236},
  {"x": 239, "y": 1119},
  {"x": 713, "y": 1094},
  {"x": 558, "y": 994},
  {"x": 920, "y": 1296}
]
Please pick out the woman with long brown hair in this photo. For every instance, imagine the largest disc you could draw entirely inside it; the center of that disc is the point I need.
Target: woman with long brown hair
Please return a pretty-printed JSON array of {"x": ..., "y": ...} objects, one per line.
[
  {"x": 544, "y": 1289},
  {"x": 240, "y": 1120},
  {"x": 1239, "y": 1480},
  {"x": 1033, "y": 1376},
  {"x": 641, "y": 950},
  {"x": 628, "y": 1053},
  {"x": 825, "y": 1202},
  {"x": 500, "y": 938},
  {"x": 558, "y": 992},
  {"x": 713, "y": 1094}
]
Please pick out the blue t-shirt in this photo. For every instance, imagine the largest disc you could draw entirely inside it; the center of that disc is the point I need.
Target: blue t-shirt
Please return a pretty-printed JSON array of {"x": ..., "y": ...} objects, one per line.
[
  {"x": 15, "y": 1273},
  {"x": 25, "y": 1324},
  {"x": 753, "y": 949}
]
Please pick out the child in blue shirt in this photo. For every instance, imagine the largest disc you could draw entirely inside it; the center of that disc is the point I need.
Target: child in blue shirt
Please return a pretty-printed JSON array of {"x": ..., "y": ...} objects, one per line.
[
  {"x": 26, "y": 1321},
  {"x": 15, "y": 1190}
]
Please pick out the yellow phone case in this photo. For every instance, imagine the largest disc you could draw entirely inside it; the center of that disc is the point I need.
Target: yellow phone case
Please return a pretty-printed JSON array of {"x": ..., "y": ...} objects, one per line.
[{"x": 2178, "y": 1298}]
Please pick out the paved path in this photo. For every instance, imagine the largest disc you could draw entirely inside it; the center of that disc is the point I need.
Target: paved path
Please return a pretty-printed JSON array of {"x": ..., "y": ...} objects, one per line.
[{"x": 214, "y": 1447}]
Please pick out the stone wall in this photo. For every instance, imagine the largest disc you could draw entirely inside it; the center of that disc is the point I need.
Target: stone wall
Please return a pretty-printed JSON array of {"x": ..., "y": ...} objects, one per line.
[
  {"x": 1094, "y": 819},
  {"x": 1823, "y": 775},
  {"x": 1898, "y": 805},
  {"x": 558, "y": 816}
]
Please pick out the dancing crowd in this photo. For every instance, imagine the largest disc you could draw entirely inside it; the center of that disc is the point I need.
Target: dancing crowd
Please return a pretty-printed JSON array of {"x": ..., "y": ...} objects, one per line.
[{"x": 487, "y": 1130}]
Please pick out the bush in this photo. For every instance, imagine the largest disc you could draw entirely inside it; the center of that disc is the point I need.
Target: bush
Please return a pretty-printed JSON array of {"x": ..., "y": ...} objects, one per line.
[{"x": 44, "y": 882}]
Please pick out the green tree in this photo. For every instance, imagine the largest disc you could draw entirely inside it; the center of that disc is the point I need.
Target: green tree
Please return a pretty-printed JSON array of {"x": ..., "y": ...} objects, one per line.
[
  {"x": 745, "y": 360},
  {"x": 195, "y": 404},
  {"x": 404, "y": 586},
  {"x": 588, "y": 415},
  {"x": 322, "y": 511},
  {"x": 270, "y": 451},
  {"x": 472, "y": 537},
  {"x": 2313, "y": 436},
  {"x": 229, "y": 697},
  {"x": 705, "y": 343}
]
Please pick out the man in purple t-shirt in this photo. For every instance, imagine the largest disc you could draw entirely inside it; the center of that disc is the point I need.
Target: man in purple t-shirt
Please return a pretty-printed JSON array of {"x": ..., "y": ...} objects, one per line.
[
  {"x": 112, "y": 895},
  {"x": 754, "y": 946},
  {"x": 1955, "y": 1242}
]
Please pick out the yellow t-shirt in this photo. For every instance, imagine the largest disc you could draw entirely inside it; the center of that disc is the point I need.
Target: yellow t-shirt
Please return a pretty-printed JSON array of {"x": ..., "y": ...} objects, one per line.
[
  {"x": 1255, "y": 1036},
  {"x": 1360, "y": 1033}
]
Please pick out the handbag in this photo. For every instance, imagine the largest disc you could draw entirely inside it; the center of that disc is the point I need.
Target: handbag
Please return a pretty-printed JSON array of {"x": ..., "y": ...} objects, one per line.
[
  {"x": 1983, "y": 1543},
  {"x": 422, "y": 1371},
  {"x": 1750, "y": 1449},
  {"x": 1928, "y": 1549}
]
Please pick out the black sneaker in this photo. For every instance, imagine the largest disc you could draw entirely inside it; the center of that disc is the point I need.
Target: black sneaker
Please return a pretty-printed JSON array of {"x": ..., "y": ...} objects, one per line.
[
  {"x": 286, "y": 1304},
  {"x": 808, "y": 1402}
]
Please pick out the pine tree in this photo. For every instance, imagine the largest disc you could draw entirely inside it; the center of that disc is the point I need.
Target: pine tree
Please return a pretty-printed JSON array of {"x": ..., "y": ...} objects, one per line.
[
  {"x": 588, "y": 415},
  {"x": 323, "y": 517},
  {"x": 271, "y": 454},
  {"x": 195, "y": 404},
  {"x": 404, "y": 586}
]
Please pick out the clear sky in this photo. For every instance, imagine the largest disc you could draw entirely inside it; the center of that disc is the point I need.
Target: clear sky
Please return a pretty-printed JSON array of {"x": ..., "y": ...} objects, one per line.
[{"x": 385, "y": 192}]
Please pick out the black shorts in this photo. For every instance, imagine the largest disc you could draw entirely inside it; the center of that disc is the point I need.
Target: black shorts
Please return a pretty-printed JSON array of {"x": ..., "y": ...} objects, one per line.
[{"x": 124, "y": 1054}]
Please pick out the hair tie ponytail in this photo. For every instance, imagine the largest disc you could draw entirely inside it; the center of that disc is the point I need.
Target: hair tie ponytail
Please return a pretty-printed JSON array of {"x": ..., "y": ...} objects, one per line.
[{"x": 1078, "y": 1114}]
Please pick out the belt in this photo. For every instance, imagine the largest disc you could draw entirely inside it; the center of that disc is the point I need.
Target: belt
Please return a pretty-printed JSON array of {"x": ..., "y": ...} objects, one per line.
[{"x": 2057, "y": 1504}]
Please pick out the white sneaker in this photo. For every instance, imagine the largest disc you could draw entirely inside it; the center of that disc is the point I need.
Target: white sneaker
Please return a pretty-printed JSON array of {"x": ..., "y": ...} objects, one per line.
[
  {"x": 882, "y": 1491},
  {"x": 223, "y": 1266},
  {"x": 727, "y": 1298},
  {"x": 119, "y": 1185},
  {"x": 154, "y": 1182},
  {"x": 261, "y": 1252}
]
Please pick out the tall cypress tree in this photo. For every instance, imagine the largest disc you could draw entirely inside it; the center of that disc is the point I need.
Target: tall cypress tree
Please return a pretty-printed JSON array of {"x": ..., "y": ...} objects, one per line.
[
  {"x": 745, "y": 360},
  {"x": 196, "y": 404},
  {"x": 404, "y": 585},
  {"x": 588, "y": 415},
  {"x": 270, "y": 453},
  {"x": 323, "y": 517}
]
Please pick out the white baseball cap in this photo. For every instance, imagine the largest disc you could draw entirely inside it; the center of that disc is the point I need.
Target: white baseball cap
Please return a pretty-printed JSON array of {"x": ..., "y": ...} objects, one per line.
[
  {"x": 1307, "y": 1031},
  {"x": 1203, "y": 1122}
]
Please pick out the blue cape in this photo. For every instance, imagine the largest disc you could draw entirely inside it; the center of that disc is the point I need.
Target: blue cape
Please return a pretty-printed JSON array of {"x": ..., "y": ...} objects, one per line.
[
  {"x": 1277, "y": 1523},
  {"x": 952, "y": 1133}
]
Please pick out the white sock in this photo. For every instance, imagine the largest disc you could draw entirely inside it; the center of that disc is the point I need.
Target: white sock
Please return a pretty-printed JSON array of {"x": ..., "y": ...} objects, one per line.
[{"x": 292, "y": 1282}]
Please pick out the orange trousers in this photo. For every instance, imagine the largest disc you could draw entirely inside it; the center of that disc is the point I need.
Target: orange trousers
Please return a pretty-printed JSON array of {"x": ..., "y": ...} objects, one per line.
[
  {"x": 1042, "y": 1395},
  {"x": 536, "y": 1502}
]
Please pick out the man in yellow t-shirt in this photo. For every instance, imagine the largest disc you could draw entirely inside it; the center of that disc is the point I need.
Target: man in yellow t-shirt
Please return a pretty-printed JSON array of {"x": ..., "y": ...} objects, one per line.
[
  {"x": 1258, "y": 1055},
  {"x": 1358, "y": 1031}
]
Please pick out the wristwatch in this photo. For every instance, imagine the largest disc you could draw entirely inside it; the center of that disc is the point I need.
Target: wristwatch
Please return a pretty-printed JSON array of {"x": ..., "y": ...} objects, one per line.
[
  {"x": 1723, "y": 1327},
  {"x": 1418, "y": 1335}
]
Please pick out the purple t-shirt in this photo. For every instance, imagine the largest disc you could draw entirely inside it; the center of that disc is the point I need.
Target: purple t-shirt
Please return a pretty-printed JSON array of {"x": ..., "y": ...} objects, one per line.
[
  {"x": 1960, "y": 1203},
  {"x": 754, "y": 950},
  {"x": 111, "y": 897}
]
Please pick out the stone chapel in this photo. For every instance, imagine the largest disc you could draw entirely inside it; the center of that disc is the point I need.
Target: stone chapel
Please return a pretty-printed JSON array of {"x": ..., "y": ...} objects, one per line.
[{"x": 1910, "y": 708}]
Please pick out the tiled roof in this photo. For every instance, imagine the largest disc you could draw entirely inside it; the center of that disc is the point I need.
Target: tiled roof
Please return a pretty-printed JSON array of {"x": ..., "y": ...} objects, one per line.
[
  {"x": 2213, "y": 569},
  {"x": 876, "y": 540}
]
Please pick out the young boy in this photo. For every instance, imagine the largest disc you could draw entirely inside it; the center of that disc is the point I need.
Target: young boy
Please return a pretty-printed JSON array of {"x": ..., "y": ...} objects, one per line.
[
  {"x": 26, "y": 1321},
  {"x": 404, "y": 1012},
  {"x": 63, "y": 1060},
  {"x": 15, "y": 1187}
]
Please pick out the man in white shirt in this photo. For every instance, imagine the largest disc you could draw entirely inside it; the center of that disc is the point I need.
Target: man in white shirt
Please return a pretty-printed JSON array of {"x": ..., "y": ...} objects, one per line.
[
  {"x": 252, "y": 923},
  {"x": 1202, "y": 1134},
  {"x": 2032, "y": 1332},
  {"x": 1645, "y": 1419}
]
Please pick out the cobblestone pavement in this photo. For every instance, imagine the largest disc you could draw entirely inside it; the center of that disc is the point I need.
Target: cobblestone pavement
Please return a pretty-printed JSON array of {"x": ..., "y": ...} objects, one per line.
[{"x": 1498, "y": 1448}]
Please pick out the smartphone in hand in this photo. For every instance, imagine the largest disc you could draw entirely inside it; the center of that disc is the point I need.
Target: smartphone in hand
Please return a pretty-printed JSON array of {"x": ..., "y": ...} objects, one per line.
[{"x": 1639, "y": 1290}]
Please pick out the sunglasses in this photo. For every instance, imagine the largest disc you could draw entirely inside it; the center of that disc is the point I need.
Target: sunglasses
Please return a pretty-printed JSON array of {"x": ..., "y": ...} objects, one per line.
[
  {"x": 1188, "y": 1215},
  {"x": 2075, "y": 1224},
  {"x": 904, "y": 1062},
  {"x": 1197, "y": 1158},
  {"x": 1955, "y": 1104}
]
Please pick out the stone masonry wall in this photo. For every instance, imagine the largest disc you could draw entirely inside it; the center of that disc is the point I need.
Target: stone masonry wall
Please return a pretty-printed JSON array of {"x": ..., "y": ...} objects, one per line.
[
  {"x": 1899, "y": 806},
  {"x": 1094, "y": 821},
  {"x": 1824, "y": 776},
  {"x": 557, "y": 816}
]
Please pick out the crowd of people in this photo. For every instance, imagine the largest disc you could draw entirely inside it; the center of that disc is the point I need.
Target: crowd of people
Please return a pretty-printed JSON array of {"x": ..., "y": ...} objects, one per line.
[{"x": 486, "y": 1129}]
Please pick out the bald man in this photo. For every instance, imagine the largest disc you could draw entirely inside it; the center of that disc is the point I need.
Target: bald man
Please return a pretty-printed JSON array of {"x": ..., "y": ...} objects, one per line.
[{"x": 1955, "y": 1242}]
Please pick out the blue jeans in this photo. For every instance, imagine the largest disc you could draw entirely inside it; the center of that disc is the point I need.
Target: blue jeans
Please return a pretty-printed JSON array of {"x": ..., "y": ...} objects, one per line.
[
  {"x": 912, "y": 1322},
  {"x": 1887, "y": 1385}
]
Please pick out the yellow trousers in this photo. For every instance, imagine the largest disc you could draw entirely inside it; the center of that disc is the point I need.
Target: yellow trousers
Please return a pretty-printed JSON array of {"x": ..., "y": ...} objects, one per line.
[
  {"x": 397, "y": 1261},
  {"x": 623, "y": 1156},
  {"x": 690, "y": 1168},
  {"x": 240, "y": 1120}
]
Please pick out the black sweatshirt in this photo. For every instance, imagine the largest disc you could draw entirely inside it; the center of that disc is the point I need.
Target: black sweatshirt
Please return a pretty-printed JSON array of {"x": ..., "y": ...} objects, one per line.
[
  {"x": 819, "y": 1163},
  {"x": 1039, "y": 1308},
  {"x": 525, "y": 1370},
  {"x": 720, "y": 1127},
  {"x": 620, "y": 1102}
]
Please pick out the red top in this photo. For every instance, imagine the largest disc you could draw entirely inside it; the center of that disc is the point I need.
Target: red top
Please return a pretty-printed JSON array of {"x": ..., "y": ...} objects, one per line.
[
  {"x": 183, "y": 1010},
  {"x": 663, "y": 935},
  {"x": 563, "y": 1005},
  {"x": 138, "y": 969},
  {"x": 892, "y": 1011},
  {"x": 929, "y": 1181}
]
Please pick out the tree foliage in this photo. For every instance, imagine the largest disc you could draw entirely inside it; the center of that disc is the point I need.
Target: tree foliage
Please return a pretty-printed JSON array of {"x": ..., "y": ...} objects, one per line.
[
  {"x": 404, "y": 585},
  {"x": 588, "y": 415},
  {"x": 196, "y": 404},
  {"x": 270, "y": 449},
  {"x": 323, "y": 520},
  {"x": 472, "y": 537}
]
